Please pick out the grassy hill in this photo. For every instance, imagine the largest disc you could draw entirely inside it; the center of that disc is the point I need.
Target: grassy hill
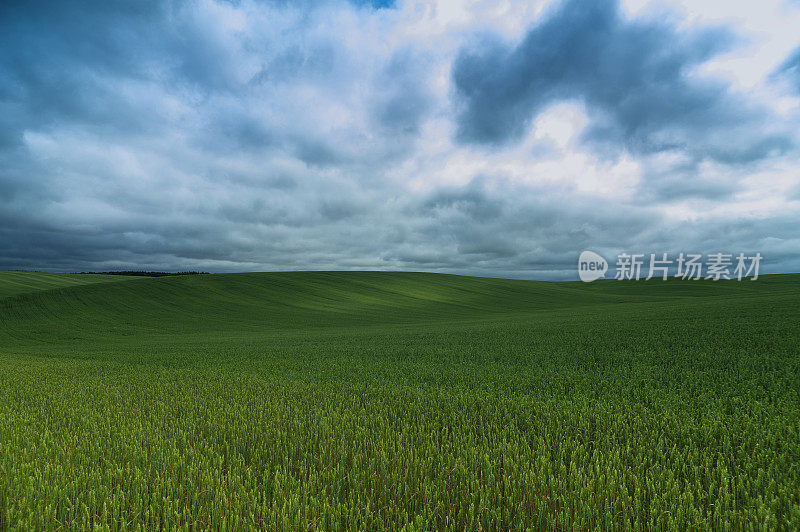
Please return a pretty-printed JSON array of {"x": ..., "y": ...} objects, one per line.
[
  {"x": 19, "y": 282},
  {"x": 268, "y": 302},
  {"x": 386, "y": 399}
]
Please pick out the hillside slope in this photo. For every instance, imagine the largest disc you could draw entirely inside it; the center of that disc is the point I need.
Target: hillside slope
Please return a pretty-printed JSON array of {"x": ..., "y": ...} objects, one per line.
[
  {"x": 14, "y": 283},
  {"x": 104, "y": 306},
  {"x": 207, "y": 318},
  {"x": 372, "y": 400}
]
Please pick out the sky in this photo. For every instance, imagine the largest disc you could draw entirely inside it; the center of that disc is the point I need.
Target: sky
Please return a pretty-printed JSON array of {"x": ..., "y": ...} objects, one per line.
[{"x": 482, "y": 137}]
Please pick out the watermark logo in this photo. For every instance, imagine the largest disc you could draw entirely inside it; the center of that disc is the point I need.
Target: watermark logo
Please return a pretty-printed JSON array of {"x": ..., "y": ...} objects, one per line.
[{"x": 591, "y": 266}]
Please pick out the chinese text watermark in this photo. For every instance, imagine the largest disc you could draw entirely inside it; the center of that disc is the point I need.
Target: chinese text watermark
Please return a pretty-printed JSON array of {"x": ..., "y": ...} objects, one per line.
[{"x": 714, "y": 266}]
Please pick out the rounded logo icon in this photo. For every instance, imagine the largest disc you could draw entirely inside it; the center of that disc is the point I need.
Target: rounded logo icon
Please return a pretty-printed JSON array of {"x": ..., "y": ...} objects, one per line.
[{"x": 591, "y": 266}]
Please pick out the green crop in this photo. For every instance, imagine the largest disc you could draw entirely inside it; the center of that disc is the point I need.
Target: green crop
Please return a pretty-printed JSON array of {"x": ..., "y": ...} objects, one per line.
[
  {"x": 382, "y": 401},
  {"x": 15, "y": 283}
]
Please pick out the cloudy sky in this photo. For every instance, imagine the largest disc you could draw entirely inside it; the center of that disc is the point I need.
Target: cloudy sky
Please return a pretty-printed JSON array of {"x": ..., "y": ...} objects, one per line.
[{"x": 479, "y": 137}]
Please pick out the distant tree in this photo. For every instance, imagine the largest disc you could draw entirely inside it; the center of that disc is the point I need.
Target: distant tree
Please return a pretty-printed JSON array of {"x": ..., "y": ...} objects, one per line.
[{"x": 145, "y": 274}]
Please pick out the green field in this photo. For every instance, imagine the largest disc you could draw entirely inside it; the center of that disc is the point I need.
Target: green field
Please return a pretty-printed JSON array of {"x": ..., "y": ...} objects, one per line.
[
  {"x": 15, "y": 283},
  {"x": 378, "y": 400}
]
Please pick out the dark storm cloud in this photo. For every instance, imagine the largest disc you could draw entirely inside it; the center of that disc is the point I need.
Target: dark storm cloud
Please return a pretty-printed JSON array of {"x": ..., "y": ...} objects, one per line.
[
  {"x": 791, "y": 68},
  {"x": 682, "y": 181},
  {"x": 634, "y": 76},
  {"x": 245, "y": 135},
  {"x": 56, "y": 61},
  {"x": 405, "y": 101},
  {"x": 492, "y": 225}
]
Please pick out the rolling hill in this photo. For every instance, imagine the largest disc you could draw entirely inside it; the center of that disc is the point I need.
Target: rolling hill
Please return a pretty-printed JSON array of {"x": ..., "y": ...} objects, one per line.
[
  {"x": 342, "y": 400},
  {"x": 42, "y": 303},
  {"x": 13, "y": 283}
]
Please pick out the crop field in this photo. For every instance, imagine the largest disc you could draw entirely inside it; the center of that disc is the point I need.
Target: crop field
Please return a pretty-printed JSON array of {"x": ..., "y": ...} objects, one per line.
[
  {"x": 383, "y": 401},
  {"x": 15, "y": 283}
]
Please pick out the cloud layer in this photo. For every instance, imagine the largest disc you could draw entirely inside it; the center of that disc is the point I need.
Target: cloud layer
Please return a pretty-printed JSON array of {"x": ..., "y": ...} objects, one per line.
[
  {"x": 634, "y": 76},
  {"x": 499, "y": 139}
]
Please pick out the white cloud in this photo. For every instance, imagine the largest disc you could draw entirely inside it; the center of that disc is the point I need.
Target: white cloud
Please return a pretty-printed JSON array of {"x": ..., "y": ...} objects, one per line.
[{"x": 254, "y": 136}]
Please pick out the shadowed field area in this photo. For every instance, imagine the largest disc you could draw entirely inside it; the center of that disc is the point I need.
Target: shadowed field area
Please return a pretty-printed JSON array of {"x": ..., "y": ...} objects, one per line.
[
  {"x": 20, "y": 282},
  {"x": 382, "y": 400}
]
